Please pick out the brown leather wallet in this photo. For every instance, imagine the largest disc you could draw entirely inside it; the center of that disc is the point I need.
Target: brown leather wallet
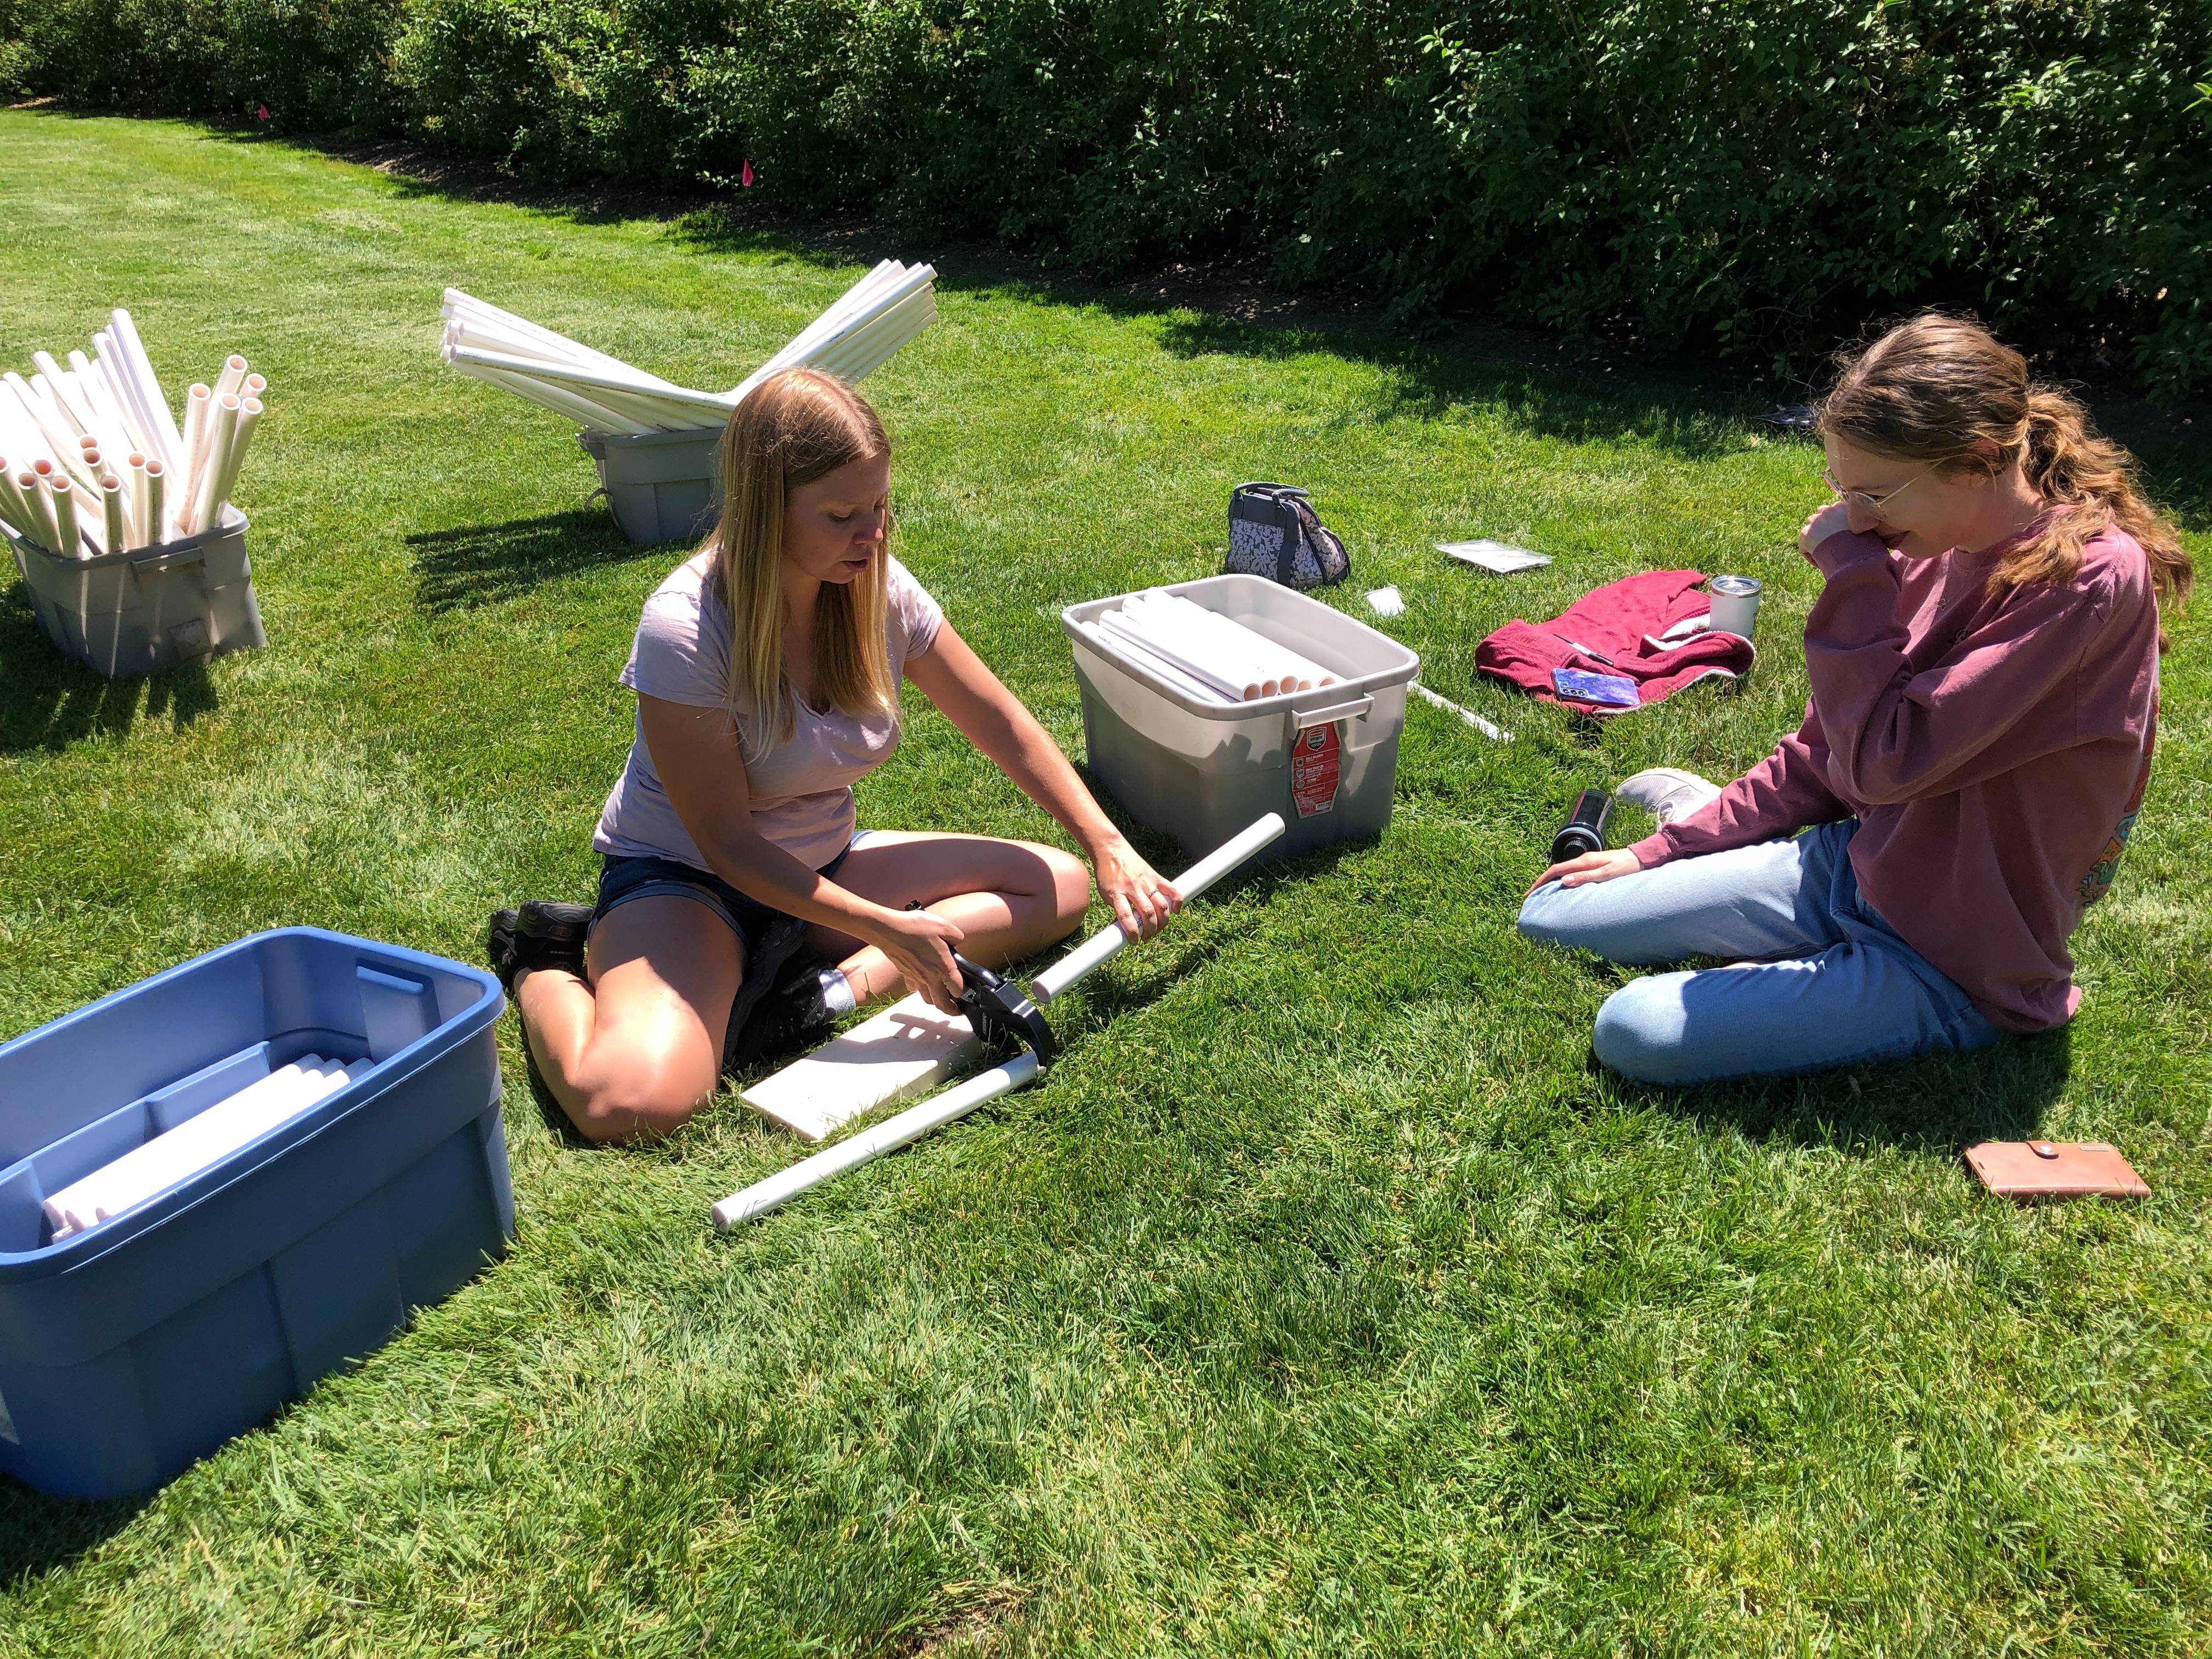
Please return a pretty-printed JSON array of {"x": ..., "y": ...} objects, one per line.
[{"x": 2054, "y": 1169}]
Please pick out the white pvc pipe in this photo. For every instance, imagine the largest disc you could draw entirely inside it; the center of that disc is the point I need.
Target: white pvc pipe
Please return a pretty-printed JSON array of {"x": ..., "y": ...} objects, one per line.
[
  {"x": 45, "y": 418},
  {"x": 149, "y": 386},
  {"x": 68, "y": 541},
  {"x": 157, "y": 502},
  {"x": 123, "y": 391},
  {"x": 138, "y": 500},
  {"x": 1488, "y": 729},
  {"x": 1108, "y": 942},
  {"x": 1237, "y": 686},
  {"x": 603, "y": 379},
  {"x": 199, "y": 400},
  {"x": 72, "y": 418},
  {"x": 223, "y": 433},
  {"x": 1235, "y": 654},
  {"x": 232, "y": 376},
  {"x": 660, "y": 413},
  {"x": 458, "y": 304},
  {"x": 1234, "y": 635},
  {"x": 963, "y": 1098},
  {"x": 47, "y": 532},
  {"x": 220, "y": 489},
  {"x": 119, "y": 429},
  {"x": 856, "y": 302},
  {"x": 18, "y": 510},
  {"x": 474, "y": 334},
  {"x": 559, "y": 399},
  {"x": 198, "y": 1142},
  {"x": 869, "y": 1144},
  {"x": 868, "y": 348},
  {"x": 113, "y": 520},
  {"x": 1124, "y": 651}
]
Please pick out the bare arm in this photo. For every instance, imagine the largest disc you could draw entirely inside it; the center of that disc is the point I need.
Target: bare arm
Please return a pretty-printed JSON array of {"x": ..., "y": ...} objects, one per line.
[
  {"x": 702, "y": 767},
  {"x": 951, "y": 676}
]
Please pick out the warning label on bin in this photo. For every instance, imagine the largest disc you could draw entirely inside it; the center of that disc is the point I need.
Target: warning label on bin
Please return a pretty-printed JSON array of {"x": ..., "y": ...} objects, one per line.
[{"x": 1315, "y": 767}]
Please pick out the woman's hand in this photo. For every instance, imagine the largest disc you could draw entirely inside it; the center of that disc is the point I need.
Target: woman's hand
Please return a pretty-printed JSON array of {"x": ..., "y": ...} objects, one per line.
[
  {"x": 919, "y": 945},
  {"x": 1142, "y": 898},
  {"x": 1582, "y": 871},
  {"x": 1834, "y": 520}
]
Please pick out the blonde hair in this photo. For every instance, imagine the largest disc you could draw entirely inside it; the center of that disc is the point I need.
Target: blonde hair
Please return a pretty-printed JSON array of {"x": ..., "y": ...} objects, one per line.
[
  {"x": 1934, "y": 388},
  {"x": 792, "y": 429}
]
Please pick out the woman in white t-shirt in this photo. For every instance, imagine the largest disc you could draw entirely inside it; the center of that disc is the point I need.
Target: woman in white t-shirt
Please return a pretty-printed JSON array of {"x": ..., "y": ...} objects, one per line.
[{"x": 767, "y": 671}]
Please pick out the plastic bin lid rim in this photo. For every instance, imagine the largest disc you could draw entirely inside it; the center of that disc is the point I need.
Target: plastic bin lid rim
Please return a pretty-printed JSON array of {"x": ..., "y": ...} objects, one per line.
[{"x": 203, "y": 1184}]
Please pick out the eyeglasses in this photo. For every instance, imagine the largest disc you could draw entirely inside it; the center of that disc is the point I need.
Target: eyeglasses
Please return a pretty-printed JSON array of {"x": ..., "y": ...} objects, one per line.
[{"x": 1859, "y": 498}]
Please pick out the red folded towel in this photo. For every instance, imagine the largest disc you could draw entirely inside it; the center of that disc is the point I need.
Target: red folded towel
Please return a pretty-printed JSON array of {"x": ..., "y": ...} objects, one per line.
[{"x": 1625, "y": 628}]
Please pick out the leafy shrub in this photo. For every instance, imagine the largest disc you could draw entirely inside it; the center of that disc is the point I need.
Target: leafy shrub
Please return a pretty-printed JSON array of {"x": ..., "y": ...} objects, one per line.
[{"x": 1729, "y": 177}]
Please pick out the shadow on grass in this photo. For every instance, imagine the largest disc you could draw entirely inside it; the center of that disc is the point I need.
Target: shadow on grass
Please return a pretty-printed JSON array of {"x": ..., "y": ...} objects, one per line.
[
  {"x": 38, "y": 1532},
  {"x": 479, "y": 565},
  {"x": 52, "y": 702},
  {"x": 1940, "y": 1102}
]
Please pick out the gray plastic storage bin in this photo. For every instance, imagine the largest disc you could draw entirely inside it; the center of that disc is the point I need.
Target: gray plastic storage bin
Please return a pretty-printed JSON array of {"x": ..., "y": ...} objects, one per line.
[
  {"x": 660, "y": 486},
  {"x": 1326, "y": 759},
  {"x": 149, "y": 608}
]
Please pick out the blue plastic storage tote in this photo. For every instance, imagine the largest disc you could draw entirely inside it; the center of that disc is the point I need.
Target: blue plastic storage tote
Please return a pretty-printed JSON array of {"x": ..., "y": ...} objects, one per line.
[{"x": 132, "y": 1348}]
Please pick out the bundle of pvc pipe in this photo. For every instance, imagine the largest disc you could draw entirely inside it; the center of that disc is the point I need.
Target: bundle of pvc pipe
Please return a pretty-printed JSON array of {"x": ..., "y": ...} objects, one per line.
[
  {"x": 869, "y": 321},
  {"x": 197, "y": 1143},
  {"x": 1201, "y": 653},
  {"x": 92, "y": 461}
]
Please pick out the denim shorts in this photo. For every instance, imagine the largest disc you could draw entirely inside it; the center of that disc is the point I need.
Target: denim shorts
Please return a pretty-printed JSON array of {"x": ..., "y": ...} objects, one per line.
[{"x": 623, "y": 879}]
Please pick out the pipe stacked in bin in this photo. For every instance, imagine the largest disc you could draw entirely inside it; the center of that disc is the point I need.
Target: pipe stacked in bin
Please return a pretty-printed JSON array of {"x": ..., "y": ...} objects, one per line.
[
  {"x": 1201, "y": 653},
  {"x": 92, "y": 461},
  {"x": 197, "y": 1143},
  {"x": 869, "y": 321}
]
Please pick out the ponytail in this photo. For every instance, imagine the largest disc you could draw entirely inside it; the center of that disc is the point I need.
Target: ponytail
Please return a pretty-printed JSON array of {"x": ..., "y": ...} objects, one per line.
[
  {"x": 1944, "y": 390},
  {"x": 2094, "y": 483}
]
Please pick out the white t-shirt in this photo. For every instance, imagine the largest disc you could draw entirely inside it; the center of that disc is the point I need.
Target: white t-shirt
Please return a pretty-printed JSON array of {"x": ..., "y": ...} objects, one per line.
[{"x": 802, "y": 788}]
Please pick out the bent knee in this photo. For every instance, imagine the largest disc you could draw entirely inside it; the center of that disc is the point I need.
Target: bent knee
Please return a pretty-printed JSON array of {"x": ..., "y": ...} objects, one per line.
[
  {"x": 1640, "y": 1032},
  {"x": 1544, "y": 914},
  {"x": 1070, "y": 888},
  {"x": 644, "y": 1104}
]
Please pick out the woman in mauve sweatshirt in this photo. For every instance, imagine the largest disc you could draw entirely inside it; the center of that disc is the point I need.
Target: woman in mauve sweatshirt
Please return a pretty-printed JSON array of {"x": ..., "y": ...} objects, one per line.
[{"x": 1983, "y": 661}]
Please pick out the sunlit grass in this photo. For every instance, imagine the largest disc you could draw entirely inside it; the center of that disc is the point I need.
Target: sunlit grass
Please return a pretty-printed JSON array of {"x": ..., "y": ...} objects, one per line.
[{"x": 1326, "y": 1299}]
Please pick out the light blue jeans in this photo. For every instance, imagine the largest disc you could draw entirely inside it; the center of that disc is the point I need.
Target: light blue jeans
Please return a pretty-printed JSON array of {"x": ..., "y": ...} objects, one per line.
[{"x": 1826, "y": 981}]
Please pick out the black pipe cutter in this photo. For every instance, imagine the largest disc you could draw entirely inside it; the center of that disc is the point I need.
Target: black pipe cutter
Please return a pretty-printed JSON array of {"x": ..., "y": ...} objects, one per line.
[{"x": 998, "y": 1009}]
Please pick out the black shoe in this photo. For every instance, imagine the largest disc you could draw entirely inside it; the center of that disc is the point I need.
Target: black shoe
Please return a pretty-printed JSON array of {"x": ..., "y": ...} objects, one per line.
[
  {"x": 556, "y": 924},
  {"x": 499, "y": 948},
  {"x": 542, "y": 934},
  {"x": 769, "y": 1014},
  {"x": 794, "y": 1016}
]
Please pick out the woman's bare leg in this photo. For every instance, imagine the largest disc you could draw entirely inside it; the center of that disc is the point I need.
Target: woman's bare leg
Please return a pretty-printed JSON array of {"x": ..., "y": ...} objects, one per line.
[
  {"x": 634, "y": 1047},
  {"x": 1011, "y": 897}
]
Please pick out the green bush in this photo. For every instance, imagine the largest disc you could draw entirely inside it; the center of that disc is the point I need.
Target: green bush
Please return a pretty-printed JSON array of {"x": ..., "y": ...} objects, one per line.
[{"x": 1733, "y": 176}]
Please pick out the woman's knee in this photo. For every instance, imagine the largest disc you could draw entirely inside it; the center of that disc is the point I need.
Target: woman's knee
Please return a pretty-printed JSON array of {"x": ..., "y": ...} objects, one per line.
[
  {"x": 1547, "y": 914},
  {"x": 1640, "y": 1032},
  {"x": 1070, "y": 888},
  {"x": 635, "y": 1097}
]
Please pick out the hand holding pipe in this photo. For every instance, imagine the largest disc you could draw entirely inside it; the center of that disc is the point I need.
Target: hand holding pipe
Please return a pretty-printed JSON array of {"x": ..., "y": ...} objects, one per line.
[{"x": 963, "y": 1098}]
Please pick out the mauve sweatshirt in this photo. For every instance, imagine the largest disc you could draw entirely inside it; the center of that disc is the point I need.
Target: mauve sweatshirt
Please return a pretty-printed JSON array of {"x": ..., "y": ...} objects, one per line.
[{"x": 1994, "y": 748}]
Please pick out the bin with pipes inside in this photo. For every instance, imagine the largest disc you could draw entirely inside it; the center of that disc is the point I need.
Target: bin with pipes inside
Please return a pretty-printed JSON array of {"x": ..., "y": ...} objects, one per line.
[
  {"x": 1208, "y": 703},
  {"x": 223, "y": 1182}
]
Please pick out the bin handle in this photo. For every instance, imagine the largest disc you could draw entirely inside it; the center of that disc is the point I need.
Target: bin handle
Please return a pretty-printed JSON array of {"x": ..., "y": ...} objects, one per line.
[
  {"x": 171, "y": 561},
  {"x": 1358, "y": 709}
]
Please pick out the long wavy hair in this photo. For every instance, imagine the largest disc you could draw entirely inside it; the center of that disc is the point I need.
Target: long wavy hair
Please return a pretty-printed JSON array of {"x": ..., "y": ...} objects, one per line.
[
  {"x": 792, "y": 429},
  {"x": 1938, "y": 387}
]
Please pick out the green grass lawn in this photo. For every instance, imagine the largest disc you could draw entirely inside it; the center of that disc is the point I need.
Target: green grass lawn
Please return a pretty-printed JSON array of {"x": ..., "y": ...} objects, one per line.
[{"x": 1326, "y": 1299}]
